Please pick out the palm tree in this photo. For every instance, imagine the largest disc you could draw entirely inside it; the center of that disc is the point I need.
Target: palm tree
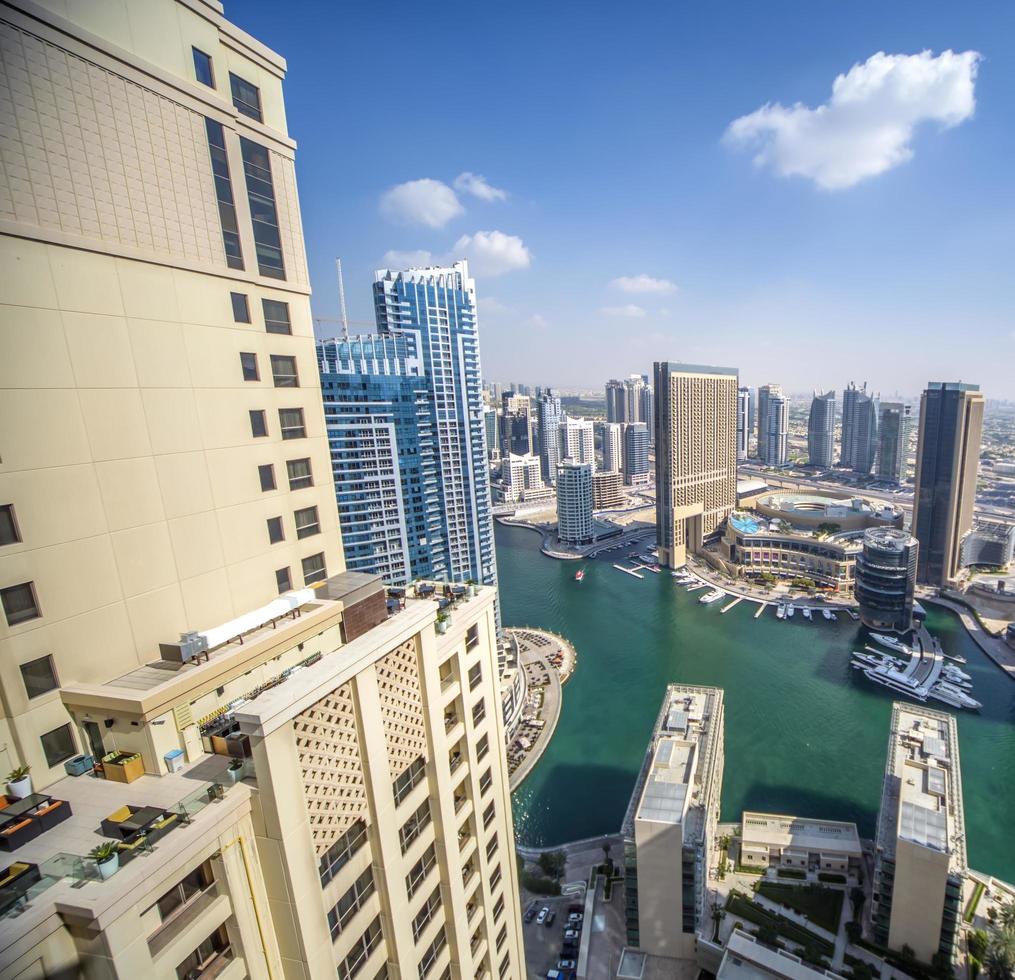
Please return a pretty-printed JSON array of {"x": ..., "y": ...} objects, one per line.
[{"x": 999, "y": 960}]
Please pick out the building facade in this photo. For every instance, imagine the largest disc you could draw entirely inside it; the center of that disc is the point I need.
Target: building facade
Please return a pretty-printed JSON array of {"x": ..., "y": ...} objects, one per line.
[
  {"x": 548, "y": 422},
  {"x": 947, "y": 462},
  {"x": 612, "y": 437},
  {"x": 574, "y": 503},
  {"x": 775, "y": 450},
  {"x": 885, "y": 582},
  {"x": 990, "y": 543},
  {"x": 669, "y": 828},
  {"x": 607, "y": 490},
  {"x": 577, "y": 440},
  {"x": 522, "y": 480},
  {"x": 821, "y": 431},
  {"x": 696, "y": 455},
  {"x": 920, "y": 851},
  {"x": 860, "y": 414},
  {"x": 743, "y": 422},
  {"x": 765, "y": 394},
  {"x": 437, "y": 306},
  {"x": 893, "y": 442},
  {"x": 616, "y": 401},
  {"x": 636, "y": 446}
]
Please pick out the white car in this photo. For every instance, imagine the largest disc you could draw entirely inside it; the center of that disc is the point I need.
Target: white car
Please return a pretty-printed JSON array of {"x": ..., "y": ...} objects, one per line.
[{"x": 543, "y": 913}]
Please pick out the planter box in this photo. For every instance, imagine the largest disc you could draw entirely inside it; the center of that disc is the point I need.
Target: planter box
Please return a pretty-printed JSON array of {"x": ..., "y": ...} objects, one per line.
[
  {"x": 79, "y": 765},
  {"x": 124, "y": 772}
]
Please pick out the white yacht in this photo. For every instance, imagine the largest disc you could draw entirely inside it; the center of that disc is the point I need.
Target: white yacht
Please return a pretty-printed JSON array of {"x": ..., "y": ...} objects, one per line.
[
  {"x": 828, "y": 614},
  {"x": 790, "y": 611},
  {"x": 892, "y": 642},
  {"x": 952, "y": 672},
  {"x": 807, "y": 612},
  {"x": 943, "y": 691},
  {"x": 780, "y": 613},
  {"x": 711, "y": 596}
]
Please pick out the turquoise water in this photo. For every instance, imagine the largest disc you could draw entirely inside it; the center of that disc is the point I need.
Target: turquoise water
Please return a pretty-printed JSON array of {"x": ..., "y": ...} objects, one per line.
[{"x": 805, "y": 734}]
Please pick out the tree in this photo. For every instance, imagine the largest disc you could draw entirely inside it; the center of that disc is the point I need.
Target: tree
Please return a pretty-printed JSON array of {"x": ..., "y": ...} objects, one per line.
[
  {"x": 999, "y": 958},
  {"x": 552, "y": 864},
  {"x": 768, "y": 935},
  {"x": 977, "y": 944}
]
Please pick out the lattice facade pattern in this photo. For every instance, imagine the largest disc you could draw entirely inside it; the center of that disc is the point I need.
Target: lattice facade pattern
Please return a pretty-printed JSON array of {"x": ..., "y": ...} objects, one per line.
[
  {"x": 328, "y": 747},
  {"x": 399, "y": 684}
]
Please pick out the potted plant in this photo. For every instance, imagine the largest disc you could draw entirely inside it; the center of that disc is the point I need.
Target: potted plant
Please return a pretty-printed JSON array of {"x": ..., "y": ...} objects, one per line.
[
  {"x": 442, "y": 622},
  {"x": 470, "y": 587},
  {"x": 235, "y": 770},
  {"x": 19, "y": 782},
  {"x": 107, "y": 858}
]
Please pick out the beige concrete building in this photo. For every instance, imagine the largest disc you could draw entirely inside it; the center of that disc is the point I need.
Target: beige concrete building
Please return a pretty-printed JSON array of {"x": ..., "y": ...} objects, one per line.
[
  {"x": 802, "y": 843},
  {"x": 670, "y": 823},
  {"x": 171, "y": 575},
  {"x": 696, "y": 455},
  {"x": 920, "y": 861},
  {"x": 747, "y": 959},
  {"x": 607, "y": 490}
]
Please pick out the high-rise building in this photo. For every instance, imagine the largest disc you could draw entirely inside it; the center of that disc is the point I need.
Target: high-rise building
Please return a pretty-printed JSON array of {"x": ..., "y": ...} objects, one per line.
[
  {"x": 616, "y": 401},
  {"x": 517, "y": 424},
  {"x": 491, "y": 429},
  {"x": 776, "y": 445},
  {"x": 522, "y": 478},
  {"x": 612, "y": 436},
  {"x": 765, "y": 394},
  {"x": 636, "y": 465},
  {"x": 574, "y": 503},
  {"x": 646, "y": 409},
  {"x": 670, "y": 826},
  {"x": 166, "y": 459},
  {"x": 548, "y": 405},
  {"x": 379, "y": 421},
  {"x": 577, "y": 440},
  {"x": 438, "y": 307},
  {"x": 885, "y": 579},
  {"x": 920, "y": 849},
  {"x": 947, "y": 459},
  {"x": 743, "y": 422},
  {"x": 607, "y": 490},
  {"x": 821, "y": 431},
  {"x": 893, "y": 442},
  {"x": 860, "y": 412},
  {"x": 634, "y": 385},
  {"x": 696, "y": 455}
]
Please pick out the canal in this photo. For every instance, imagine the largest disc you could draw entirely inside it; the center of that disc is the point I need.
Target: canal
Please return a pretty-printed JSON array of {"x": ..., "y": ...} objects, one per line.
[{"x": 805, "y": 734}]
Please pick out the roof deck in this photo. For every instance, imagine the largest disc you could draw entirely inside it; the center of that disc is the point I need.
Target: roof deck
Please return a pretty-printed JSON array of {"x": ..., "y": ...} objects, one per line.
[{"x": 777, "y": 830}]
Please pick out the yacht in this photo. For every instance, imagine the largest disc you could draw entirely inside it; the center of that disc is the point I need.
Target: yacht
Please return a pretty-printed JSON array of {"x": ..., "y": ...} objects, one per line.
[
  {"x": 780, "y": 613},
  {"x": 892, "y": 642},
  {"x": 952, "y": 672},
  {"x": 828, "y": 614},
  {"x": 889, "y": 678},
  {"x": 711, "y": 596},
  {"x": 790, "y": 611},
  {"x": 943, "y": 691},
  {"x": 807, "y": 612}
]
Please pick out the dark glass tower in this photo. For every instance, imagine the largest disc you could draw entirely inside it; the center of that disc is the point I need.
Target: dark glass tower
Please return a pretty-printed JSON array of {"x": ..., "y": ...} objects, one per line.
[{"x": 886, "y": 579}]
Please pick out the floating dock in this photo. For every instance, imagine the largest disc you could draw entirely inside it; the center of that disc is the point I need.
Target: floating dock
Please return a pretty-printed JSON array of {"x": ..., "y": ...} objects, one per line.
[
  {"x": 762, "y": 606},
  {"x": 630, "y": 571},
  {"x": 694, "y": 588},
  {"x": 727, "y": 608}
]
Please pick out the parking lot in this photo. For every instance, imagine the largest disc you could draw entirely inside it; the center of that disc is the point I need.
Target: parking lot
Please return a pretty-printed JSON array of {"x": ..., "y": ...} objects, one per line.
[{"x": 543, "y": 943}]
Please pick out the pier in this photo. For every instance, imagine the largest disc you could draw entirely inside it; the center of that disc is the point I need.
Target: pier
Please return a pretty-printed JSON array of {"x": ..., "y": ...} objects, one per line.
[
  {"x": 694, "y": 588},
  {"x": 762, "y": 606},
  {"x": 629, "y": 571},
  {"x": 727, "y": 608}
]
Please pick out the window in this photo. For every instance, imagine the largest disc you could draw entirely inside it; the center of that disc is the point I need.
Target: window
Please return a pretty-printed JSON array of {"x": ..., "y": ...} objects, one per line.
[
  {"x": 501, "y": 936},
  {"x": 472, "y": 636},
  {"x": 340, "y": 853},
  {"x": 351, "y": 902},
  {"x": 495, "y": 878},
  {"x": 307, "y": 522},
  {"x": 488, "y": 815},
  {"x": 202, "y": 68},
  {"x": 408, "y": 778},
  {"x": 58, "y": 745},
  {"x": 241, "y": 307},
  {"x": 206, "y": 959},
  {"x": 300, "y": 474},
  {"x": 292, "y": 423},
  {"x": 418, "y": 872},
  {"x": 428, "y": 959},
  {"x": 283, "y": 371},
  {"x": 248, "y": 362},
  {"x": 276, "y": 316},
  {"x": 486, "y": 780},
  {"x": 482, "y": 747},
  {"x": 478, "y": 711},
  {"x": 361, "y": 951},
  {"x": 475, "y": 676},
  {"x": 19, "y": 603},
  {"x": 246, "y": 97},
  {"x": 283, "y": 580},
  {"x": 498, "y": 909},
  {"x": 313, "y": 569},
  {"x": 8, "y": 525},
  {"x": 264, "y": 217},
  {"x": 491, "y": 848},
  {"x": 276, "y": 532},
  {"x": 426, "y": 913},
  {"x": 258, "y": 423},
  {"x": 39, "y": 676},
  {"x": 414, "y": 826},
  {"x": 266, "y": 474},
  {"x": 188, "y": 888},
  {"x": 504, "y": 964},
  {"x": 224, "y": 194}
]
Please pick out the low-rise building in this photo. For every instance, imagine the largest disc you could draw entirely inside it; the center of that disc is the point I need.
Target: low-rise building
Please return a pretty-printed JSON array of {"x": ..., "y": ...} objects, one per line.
[
  {"x": 989, "y": 543},
  {"x": 607, "y": 490},
  {"x": 805, "y": 844},
  {"x": 748, "y": 959},
  {"x": 670, "y": 823}
]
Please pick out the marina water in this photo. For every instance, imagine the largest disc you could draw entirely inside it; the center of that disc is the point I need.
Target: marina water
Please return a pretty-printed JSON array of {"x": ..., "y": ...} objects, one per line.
[{"x": 805, "y": 734}]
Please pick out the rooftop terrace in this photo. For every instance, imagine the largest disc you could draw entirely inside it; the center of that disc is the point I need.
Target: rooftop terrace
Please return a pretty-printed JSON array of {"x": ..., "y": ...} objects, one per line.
[{"x": 780, "y": 830}]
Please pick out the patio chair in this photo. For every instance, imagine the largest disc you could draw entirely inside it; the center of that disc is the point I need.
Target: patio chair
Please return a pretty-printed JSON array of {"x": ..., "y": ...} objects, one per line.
[{"x": 17, "y": 832}]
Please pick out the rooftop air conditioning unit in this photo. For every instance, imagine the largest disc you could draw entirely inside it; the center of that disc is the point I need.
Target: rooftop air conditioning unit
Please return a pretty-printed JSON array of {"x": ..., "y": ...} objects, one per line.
[{"x": 191, "y": 646}]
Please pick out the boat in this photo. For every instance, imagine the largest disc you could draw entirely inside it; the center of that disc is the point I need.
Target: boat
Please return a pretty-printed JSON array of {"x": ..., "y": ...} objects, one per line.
[
  {"x": 950, "y": 671},
  {"x": 893, "y": 643},
  {"x": 956, "y": 657},
  {"x": 807, "y": 612},
  {"x": 828, "y": 614},
  {"x": 881, "y": 676},
  {"x": 780, "y": 613},
  {"x": 712, "y": 596},
  {"x": 943, "y": 691},
  {"x": 790, "y": 611},
  {"x": 579, "y": 575}
]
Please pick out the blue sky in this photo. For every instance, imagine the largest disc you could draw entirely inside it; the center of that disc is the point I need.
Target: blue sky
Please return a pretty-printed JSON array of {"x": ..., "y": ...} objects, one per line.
[{"x": 875, "y": 241}]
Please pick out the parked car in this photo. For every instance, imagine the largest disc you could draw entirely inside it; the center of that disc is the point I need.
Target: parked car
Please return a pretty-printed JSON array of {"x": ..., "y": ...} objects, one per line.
[
  {"x": 530, "y": 911},
  {"x": 567, "y": 965},
  {"x": 551, "y": 915},
  {"x": 575, "y": 917},
  {"x": 543, "y": 913},
  {"x": 571, "y": 934}
]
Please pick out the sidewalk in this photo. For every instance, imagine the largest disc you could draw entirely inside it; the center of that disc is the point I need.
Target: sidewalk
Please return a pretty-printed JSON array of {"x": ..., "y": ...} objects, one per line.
[{"x": 997, "y": 649}]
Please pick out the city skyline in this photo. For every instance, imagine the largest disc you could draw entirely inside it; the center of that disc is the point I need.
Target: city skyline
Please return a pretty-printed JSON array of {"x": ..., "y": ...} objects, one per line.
[{"x": 732, "y": 251}]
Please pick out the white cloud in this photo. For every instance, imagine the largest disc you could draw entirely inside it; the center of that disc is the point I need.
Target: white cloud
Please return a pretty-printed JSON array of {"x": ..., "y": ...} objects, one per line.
[
  {"x": 866, "y": 127},
  {"x": 477, "y": 186},
  {"x": 492, "y": 253},
  {"x": 421, "y": 202},
  {"x": 490, "y": 304},
  {"x": 412, "y": 259},
  {"x": 538, "y": 321},
  {"x": 643, "y": 284},
  {"x": 630, "y": 311}
]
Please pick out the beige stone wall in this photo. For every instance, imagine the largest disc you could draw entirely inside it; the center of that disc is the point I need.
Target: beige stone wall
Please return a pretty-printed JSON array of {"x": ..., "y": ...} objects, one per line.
[{"x": 918, "y": 896}]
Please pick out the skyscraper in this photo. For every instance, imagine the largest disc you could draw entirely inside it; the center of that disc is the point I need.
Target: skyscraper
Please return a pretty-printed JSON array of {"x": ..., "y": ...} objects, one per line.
[
  {"x": 577, "y": 440},
  {"x": 821, "y": 431},
  {"x": 574, "y": 502},
  {"x": 616, "y": 401},
  {"x": 612, "y": 436},
  {"x": 765, "y": 394},
  {"x": 491, "y": 428},
  {"x": 517, "y": 424},
  {"x": 548, "y": 406},
  {"x": 696, "y": 455},
  {"x": 636, "y": 442},
  {"x": 743, "y": 422},
  {"x": 860, "y": 412},
  {"x": 438, "y": 307},
  {"x": 893, "y": 442},
  {"x": 885, "y": 579},
  {"x": 947, "y": 460},
  {"x": 776, "y": 439},
  {"x": 166, "y": 459},
  {"x": 646, "y": 410}
]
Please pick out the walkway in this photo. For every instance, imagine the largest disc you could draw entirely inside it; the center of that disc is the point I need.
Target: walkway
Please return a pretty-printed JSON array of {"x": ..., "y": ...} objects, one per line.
[{"x": 994, "y": 647}]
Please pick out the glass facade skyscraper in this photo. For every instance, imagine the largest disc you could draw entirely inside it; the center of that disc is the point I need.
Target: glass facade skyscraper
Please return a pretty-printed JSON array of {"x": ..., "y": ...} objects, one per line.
[
  {"x": 860, "y": 412},
  {"x": 821, "y": 430},
  {"x": 893, "y": 441}
]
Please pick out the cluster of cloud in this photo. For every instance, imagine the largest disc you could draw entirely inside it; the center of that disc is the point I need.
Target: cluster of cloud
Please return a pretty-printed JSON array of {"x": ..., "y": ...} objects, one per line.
[
  {"x": 433, "y": 203},
  {"x": 629, "y": 311},
  {"x": 867, "y": 125},
  {"x": 643, "y": 285}
]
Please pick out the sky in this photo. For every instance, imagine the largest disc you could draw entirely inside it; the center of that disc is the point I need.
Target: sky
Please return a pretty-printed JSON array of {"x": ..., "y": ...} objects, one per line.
[{"x": 813, "y": 193}]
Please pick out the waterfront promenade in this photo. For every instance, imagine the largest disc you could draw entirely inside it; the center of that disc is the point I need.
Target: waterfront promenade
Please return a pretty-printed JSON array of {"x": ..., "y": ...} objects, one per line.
[{"x": 993, "y": 646}]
